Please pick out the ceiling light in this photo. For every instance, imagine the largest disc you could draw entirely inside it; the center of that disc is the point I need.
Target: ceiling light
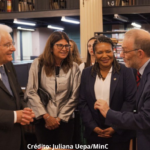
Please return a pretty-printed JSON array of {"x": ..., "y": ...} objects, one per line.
[
  {"x": 121, "y": 18},
  {"x": 24, "y": 22},
  {"x": 54, "y": 27},
  {"x": 20, "y": 28},
  {"x": 136, "y": 25},
  {"x": 69, "y": 20}
]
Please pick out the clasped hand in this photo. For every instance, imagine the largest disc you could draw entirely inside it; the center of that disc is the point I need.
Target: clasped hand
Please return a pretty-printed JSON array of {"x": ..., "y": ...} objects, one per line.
[
  {"x": 25, "y": 116},
  {"x": 52, "y": 123},
  {"x": 106, "y": 133}
]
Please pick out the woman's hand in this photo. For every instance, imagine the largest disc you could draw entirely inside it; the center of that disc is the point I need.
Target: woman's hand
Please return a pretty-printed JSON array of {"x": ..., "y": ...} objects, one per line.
[
  {"x": 98, "y": 130},
  {"x": 107, "y": 133},
  {"x": 51, "y": 123}
]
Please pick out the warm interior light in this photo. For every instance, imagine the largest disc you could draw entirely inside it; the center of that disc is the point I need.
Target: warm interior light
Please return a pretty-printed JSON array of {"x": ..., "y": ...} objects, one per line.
[
  {"x": 54, "y": 27},
  {"x": 24, "y": 22},
  {"x": 136, "y": 25},
  {"x": 69, "y": 20},
  {"x": 20, "y": 28},
  {"x": 121, "y": 18}
]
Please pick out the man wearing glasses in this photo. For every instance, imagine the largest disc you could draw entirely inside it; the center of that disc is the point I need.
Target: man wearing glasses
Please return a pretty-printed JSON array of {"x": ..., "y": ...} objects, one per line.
[
  {"x": 13, "y": 113},
  {"x": 136, "y": 54}
]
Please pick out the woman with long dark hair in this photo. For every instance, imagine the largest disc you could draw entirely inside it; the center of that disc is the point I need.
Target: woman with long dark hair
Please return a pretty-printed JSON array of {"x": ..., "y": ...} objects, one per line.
[
  {"x": 90, "y": 59},
  {"x": 107, "y": 80},
  {"x": 60, "y": 77}
]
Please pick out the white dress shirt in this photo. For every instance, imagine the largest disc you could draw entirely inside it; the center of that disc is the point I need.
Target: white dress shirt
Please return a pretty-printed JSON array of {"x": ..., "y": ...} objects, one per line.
[
  {"x": 102, "y": 87},
  {"x": 15, "y": 114}
]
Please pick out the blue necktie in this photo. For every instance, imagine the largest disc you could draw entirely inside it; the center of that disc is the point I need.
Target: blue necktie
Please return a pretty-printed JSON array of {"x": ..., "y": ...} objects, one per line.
[{"x": 5, "y": 79}]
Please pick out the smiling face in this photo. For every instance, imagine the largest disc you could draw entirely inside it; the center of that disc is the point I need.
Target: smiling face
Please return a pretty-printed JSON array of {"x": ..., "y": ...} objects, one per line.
[
  {"x": 104, "y": 54},
  {"x": 60, "y": 53},
  {"x": 6, "y": 48}
]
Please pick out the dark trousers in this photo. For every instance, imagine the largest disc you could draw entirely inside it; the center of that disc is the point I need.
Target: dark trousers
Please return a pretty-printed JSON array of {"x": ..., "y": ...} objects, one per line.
[
  {"x": 62, "y": 135},
  {"x": 111, "y": 145}
]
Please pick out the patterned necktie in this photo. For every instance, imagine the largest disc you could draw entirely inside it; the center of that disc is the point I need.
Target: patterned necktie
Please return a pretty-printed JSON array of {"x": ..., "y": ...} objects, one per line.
[
  {"x": 5, "y": 79},
  {"x": 138, "y": 78}
]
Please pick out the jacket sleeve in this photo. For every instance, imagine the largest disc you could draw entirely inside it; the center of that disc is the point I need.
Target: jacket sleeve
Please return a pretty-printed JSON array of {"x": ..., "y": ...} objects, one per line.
[
  {"x": 31, "y": 94},
  {"x": 20, "y": 92},
  {"x": 70, "y": 106},
  {"x": 129, "y": 87},
  {"x": 6, "y": 119},
  {"x": 128, "y": 120},
  {"x": 85, "y": 112}
]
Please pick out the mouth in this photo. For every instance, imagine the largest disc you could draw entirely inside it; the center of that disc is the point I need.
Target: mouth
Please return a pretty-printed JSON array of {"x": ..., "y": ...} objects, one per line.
[
  {"x": 105, "y": 61},
  {"x": 63, "y": 53}
]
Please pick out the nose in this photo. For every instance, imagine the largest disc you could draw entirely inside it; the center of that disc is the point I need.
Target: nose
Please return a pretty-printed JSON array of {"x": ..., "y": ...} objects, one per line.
[
  {"x": 12, "y": 48},
  {"x": 104, "y": 54},
  {"x": 63, "y": 47}
]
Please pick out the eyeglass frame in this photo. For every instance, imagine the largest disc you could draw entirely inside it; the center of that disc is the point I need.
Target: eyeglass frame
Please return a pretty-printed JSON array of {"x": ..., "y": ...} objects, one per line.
[
  {"x": 124, "y": 52},
  {"x": 10, "y": 46},
  {"x": 63, "y": 46}
]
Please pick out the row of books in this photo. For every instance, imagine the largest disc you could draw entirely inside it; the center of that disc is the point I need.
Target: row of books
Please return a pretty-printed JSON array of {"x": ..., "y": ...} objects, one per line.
[
  {"x": 38, "y": 5},
  {"x": 55, "y": 4},
  {"x": 107, "y": 3}
]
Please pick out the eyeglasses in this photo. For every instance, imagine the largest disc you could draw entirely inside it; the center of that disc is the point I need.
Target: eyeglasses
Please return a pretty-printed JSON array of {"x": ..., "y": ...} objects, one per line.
[
  {"x": 61, "y": 46},
  {"x": 124, "y": 52},
  {"x": 9, "y": 45}
]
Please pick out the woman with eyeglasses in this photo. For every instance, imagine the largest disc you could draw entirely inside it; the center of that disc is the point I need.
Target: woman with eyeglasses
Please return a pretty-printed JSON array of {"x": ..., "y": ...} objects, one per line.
[
  {"x": 110, "y": 81},
  {"x": 75, "y": 52},
  {"x": 60, "y": 76},
  {"x": 90, "y": 59}
]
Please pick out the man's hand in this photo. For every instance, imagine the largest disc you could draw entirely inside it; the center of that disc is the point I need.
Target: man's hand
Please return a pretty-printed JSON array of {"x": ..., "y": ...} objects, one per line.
[
  {"x": 107, "y": 133},
  {"x": 25, "y": 116},
  {"x": 102, "y": 106},
  {"x": 51, "y": 122}
]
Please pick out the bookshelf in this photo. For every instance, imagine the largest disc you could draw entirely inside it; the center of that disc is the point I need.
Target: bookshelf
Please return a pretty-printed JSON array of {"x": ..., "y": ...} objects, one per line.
[{"x": 38, "y": 5}]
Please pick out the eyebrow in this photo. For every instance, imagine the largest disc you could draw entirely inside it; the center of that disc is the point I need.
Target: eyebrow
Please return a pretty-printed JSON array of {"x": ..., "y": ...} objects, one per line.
[{"x": 8, "y": 42}]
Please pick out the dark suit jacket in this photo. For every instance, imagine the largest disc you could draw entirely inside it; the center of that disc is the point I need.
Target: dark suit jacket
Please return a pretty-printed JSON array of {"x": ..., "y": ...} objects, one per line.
[
  {"x": 122, "y": 94},
  {"x": 11, "y": 135},
  {"x": 140, "y": 121}
]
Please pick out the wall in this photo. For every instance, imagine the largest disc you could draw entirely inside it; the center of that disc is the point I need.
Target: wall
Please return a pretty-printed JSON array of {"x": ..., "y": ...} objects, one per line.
[
  {"x": 34, "y": 42},
  {"x": 73, "y": 31}
]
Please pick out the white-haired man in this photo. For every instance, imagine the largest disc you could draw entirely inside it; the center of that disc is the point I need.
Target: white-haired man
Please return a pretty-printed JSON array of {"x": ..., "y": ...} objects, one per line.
[
  {"x": 136, "y": 54},
  {"x": 13, "y": 113}
]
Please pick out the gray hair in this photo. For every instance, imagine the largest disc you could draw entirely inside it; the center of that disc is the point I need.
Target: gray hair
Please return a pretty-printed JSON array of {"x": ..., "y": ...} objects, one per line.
[
  {"x": 141, "y": 39},
  {"x": 4, "y": 28}
]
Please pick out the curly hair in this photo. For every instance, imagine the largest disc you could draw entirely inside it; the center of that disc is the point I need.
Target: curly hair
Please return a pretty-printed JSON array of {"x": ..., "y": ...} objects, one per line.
[
  {"x": 96, "y": 68},
  {"x": 75, "y": 53},
  {"x": 47, "y": 57}
]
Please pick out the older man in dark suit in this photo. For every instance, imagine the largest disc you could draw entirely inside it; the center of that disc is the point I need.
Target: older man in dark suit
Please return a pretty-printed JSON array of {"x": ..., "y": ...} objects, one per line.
[
  {"x": 136, "y": 54},
  {"x": 13, "y": 113}
]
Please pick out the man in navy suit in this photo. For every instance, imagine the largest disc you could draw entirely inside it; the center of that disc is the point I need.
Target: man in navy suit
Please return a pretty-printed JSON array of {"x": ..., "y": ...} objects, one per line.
[
  {"x": 13, "y": 113},
  {"x": 136, "y": 54}
]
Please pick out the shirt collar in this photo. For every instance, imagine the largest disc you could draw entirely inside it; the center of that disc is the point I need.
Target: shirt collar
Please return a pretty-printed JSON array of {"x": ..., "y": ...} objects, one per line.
[
  {"x": 141, "y": 70},
  {"x": 110, "y": 69}
]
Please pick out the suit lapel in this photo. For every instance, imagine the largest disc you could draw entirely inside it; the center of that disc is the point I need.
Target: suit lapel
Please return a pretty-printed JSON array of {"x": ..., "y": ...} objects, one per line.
[
  {"x": 92, "y": 82},
  {"x": 142, "y": 83},
  {"x": 113, "y": 84},
  {"x": 8, "y": 72},
  {"x": 3, "y": 87}
]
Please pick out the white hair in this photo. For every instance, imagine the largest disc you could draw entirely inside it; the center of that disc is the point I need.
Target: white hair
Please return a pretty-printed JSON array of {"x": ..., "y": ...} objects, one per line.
[{"x": 4, "y": 28}]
